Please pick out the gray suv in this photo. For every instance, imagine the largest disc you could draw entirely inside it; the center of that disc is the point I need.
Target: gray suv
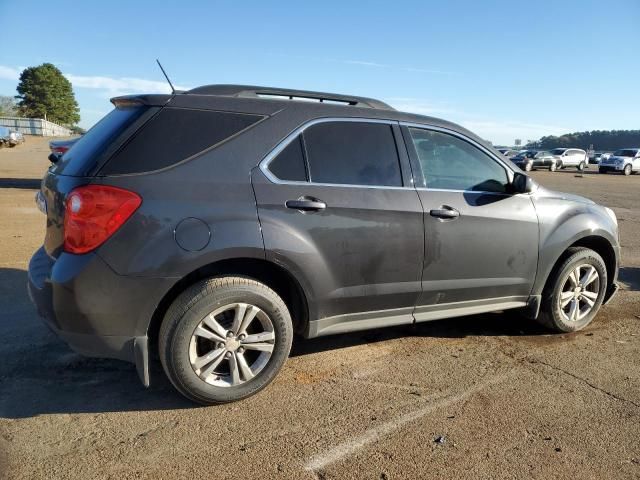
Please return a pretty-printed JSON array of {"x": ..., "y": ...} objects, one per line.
[{"x": 206, "y": 228}]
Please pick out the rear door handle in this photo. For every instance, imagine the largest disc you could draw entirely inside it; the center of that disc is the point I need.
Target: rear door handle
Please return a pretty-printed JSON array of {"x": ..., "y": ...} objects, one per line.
[
  {"x": 445, "y": 213},
  {"x": 306, "y": 204}
]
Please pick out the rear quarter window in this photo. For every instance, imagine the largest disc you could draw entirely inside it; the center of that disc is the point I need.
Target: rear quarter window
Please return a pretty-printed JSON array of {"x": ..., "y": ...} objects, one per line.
[
  {"x": 83, "y": 156},
  {"x": 174, "y": 135}
]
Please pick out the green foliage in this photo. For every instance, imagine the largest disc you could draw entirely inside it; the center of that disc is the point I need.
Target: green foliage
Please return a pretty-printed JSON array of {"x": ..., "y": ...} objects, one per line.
[
  {"x": 78, "y": 130},
  {"x": 8, "y": 107},
  {"x": 602, "y": 140},
  {"x": 44, "y": 91}
]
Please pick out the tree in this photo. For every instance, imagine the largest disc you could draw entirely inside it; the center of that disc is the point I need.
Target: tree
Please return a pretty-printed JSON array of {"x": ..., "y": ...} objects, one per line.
[
  {"x": 8, "y": 107},
  {"x": 45, "y": 93}
]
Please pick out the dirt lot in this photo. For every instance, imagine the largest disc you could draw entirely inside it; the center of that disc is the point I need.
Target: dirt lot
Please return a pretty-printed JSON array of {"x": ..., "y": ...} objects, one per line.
[{"x": 489, "y": 396}]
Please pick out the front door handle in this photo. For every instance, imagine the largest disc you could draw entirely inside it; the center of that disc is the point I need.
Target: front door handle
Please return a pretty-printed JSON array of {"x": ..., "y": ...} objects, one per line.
[
  {"x": 306, "y": 204},
  {"x": 445, "y": 212}
]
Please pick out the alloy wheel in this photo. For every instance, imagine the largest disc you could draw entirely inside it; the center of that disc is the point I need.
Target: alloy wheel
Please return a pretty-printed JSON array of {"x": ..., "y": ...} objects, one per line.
[
  {"x": 232, "y": 344},
  {"x": 579, "y": 292}
]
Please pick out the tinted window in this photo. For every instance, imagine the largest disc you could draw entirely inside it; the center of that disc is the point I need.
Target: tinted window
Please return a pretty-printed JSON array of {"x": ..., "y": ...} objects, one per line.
[
  {"x": 82, "y": 155},
  {"x": 289, "y": 164},
  {"x": 173, "y": 135},
  {"x": 354, "y": 153},
  {"x": 450, "y": 163}
]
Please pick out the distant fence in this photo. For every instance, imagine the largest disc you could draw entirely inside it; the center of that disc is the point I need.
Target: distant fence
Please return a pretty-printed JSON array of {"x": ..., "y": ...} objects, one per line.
[{"x": 35, "y": 126}]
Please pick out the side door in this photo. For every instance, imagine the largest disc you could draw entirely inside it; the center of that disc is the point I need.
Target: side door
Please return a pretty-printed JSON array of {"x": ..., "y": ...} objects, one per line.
[
  {"x": 481, "y": 242},
  {"x": 337, "y": 209}
]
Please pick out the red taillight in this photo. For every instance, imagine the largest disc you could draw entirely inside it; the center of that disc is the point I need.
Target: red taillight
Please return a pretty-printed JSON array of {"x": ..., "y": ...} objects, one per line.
[
  {"x": 59, "y": 150},
  {"x": 93, "y": 213}
]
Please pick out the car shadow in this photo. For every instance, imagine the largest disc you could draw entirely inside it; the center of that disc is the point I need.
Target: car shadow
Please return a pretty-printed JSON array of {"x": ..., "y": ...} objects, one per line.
[
  {"x": 629, "y": 278},
  {"x": 25, "y": 183}
]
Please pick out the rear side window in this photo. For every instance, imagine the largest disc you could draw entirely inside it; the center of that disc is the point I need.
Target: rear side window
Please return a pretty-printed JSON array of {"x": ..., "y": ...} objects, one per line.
[
  {"x": 289, "y": 164},
  {"x": 353, "y": 153},
  {"x": 82, "y": 156},
  {"x": 173, "y": 135}
]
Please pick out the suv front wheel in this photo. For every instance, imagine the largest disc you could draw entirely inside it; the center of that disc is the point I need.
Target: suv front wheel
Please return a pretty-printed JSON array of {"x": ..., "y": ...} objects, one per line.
[
  {"x": 225, "y": 339},
  {"x": 574, "y": 293}
]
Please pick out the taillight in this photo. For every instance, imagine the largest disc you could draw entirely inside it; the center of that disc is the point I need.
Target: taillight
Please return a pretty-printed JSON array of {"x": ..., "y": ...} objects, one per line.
[
  {"x": 59, "y": 150},
  {"x": 93, "y": 213}
]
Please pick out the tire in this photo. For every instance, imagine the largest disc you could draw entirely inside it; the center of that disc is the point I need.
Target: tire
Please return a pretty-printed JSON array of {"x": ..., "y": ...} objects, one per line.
[
  {"x": 528, "y": 167},
  {"x": 559, "y": 165},
  {"x": 627, "y": 170},
  {"x": 180, "y": 347},
  {"x": 581, "y": 167},
  {"x": 552, "y": 167},
  {"x": 562, "y": 319}
]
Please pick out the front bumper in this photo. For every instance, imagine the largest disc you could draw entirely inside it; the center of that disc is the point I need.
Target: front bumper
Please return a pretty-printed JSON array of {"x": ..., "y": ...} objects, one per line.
[
  {"x": 611, "y": 168},
  {"x": 95, "y": 311}
]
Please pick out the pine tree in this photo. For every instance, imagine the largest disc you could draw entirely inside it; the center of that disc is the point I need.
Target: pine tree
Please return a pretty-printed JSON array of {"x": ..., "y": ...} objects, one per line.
[{"x": 45, "y": 93}]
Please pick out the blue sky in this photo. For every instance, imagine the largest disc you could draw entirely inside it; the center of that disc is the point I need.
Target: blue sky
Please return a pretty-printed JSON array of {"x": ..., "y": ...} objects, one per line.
[{"x": 505, "y": 69}]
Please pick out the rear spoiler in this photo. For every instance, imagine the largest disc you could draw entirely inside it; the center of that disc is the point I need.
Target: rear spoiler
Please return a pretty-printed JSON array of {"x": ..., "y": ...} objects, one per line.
[{"x": 151, "y": 100}]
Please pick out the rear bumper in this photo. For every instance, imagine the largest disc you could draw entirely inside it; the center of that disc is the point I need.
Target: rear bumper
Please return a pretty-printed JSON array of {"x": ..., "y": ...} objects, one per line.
[{"x": 95, "y": 311}]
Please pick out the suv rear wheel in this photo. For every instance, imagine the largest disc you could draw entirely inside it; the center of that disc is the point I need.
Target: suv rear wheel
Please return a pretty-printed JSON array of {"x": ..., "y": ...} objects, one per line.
[
  {"x": 574, "y": 294},
  {"x": 225, "y": 339},
  {"x": 627, "y": 170}
]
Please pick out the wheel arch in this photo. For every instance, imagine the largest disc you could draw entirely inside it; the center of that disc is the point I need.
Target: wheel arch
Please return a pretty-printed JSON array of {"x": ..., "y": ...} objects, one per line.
[
  {"x": 599, "y": 244},
  {"x": 276, "y": 277}
]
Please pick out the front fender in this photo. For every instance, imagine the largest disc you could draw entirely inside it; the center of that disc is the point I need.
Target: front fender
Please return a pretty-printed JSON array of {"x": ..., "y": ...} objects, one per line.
[{"x": 563, "y": 224}]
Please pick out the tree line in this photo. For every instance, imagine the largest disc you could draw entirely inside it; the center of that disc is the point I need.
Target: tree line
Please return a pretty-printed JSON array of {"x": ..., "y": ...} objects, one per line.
[{"x": 602, "y": 140}]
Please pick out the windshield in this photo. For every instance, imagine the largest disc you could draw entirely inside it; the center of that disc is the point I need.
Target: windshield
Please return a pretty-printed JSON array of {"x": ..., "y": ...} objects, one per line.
[
  {"x": 626, "y": 153},
  {"x": 84, "y": 152},
  {"x": 558, "y": 151}
]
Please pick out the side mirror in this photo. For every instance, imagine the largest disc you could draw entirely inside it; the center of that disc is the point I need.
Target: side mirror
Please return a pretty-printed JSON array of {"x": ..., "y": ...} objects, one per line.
[
  {"x": 53, "y": 158},
  {"x": 522, "y": 183}
]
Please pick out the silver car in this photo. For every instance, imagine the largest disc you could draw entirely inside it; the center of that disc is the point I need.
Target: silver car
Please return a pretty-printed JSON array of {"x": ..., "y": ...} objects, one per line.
[{"x": 570, "y": 157}]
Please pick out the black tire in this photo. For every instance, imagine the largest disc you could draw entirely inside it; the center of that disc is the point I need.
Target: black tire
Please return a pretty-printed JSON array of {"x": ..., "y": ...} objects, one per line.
[
  {"x": 559, "y": 165},
  {"x": 551, "y": 315},
  {"x": 552, "y": 167},
  {"x": 196, "y": 303},
  {"x": 581, "y": 166},
  {"x": 627, "y": 170}
]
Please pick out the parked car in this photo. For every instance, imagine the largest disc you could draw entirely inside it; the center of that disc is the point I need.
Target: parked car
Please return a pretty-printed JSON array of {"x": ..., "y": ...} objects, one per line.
[
  {"x": 626, "y": 161},
  {"x": 256, "y": 217},
  {"x": 10, "y": 138},
  {"x": 570, "y": 157},
  {"x": 60, "y": 147},
  {"x": 598, "y": 156},
  {"x": 532, "y": 159},
  {"x": 507, "y": 152}
]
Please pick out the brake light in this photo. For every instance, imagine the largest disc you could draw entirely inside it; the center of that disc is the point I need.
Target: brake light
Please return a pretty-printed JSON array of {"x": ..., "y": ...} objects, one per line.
[
  {"x": 95, "y": 212},
  {"x": 59, "y": 150}
]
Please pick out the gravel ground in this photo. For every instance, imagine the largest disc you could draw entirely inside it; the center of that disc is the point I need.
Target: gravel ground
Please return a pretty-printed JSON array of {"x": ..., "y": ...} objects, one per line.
[{"x": 488, "y": 396}]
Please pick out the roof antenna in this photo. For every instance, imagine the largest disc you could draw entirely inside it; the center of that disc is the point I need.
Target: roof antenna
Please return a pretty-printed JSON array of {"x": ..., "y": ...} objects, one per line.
[{"x": 173, "y": 90}]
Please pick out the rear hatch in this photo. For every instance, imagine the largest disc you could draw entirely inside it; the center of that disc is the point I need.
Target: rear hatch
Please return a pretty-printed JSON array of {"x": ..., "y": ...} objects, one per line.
[{"x": 80, "y": 164}]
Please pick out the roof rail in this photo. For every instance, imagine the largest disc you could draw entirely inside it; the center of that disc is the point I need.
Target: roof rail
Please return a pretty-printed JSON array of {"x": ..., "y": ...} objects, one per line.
[{"x": 249, "y": 91}]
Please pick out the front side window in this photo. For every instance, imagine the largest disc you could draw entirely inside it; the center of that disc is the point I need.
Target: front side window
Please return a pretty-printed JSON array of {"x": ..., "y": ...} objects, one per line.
[
  {"x": 352, "y": 153},
  {"x": 450, "y": 163}
]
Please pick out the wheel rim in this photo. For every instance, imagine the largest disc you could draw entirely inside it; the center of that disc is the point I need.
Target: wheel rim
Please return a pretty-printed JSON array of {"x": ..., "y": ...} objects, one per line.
[
  {"x": 579, "y": 292},
  {"x": 627, "y": 170},
  {"x": 231, "y": 345}
]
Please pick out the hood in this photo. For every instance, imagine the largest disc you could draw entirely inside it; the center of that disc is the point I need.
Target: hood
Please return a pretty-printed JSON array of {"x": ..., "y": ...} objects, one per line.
[{"x": 546, "y": 193}]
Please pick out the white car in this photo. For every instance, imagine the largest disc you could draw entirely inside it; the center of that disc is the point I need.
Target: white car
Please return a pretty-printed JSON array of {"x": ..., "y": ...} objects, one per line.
[
  {"x": 570, "y": 157},
  {"x": 626, "y": 160}
]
